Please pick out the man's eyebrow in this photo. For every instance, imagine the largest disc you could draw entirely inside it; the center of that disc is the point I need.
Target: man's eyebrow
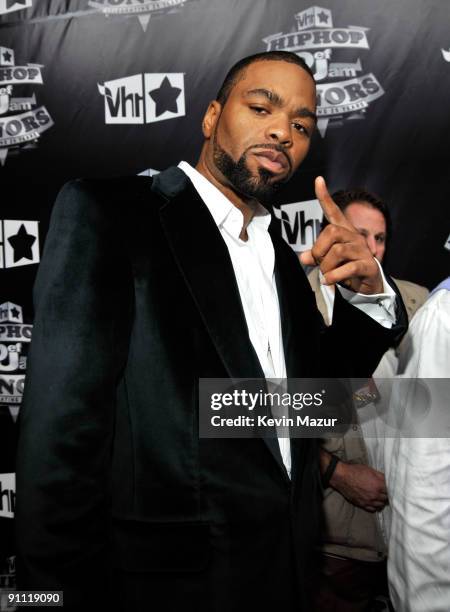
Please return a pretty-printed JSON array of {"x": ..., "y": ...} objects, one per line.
[
  {"x": 277, "y": 100},
  {"x": 273, "y": 97},
  {"x": 305, "y": 112}
]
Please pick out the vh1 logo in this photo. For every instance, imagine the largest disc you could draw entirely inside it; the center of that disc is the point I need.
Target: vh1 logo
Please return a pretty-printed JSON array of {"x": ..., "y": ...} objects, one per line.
[
  {"x": 314, "y": 17},
  {"x": 143, "y": 98},
  {"x": 300, "y": 223}
]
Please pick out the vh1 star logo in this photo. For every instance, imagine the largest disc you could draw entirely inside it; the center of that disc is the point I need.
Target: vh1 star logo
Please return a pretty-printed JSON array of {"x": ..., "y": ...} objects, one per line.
[
  {"x": 8, "y": 6},
  {"x": 144, "y": 98},
  {"x": 300, "y": 223},
  {"x": 19, "y": 243}
]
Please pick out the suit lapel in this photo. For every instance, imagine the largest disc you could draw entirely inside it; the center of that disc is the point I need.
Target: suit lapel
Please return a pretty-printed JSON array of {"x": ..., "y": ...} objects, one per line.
[{"x": 204, "y": 260}]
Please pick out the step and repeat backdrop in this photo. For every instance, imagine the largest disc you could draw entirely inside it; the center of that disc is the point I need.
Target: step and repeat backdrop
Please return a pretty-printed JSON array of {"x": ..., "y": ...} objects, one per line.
[{"x": 115, "y": 87}]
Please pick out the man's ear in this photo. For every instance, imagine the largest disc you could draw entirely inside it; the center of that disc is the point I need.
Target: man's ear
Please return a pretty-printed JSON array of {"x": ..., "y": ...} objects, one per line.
[{"x": 210, "y": 119}]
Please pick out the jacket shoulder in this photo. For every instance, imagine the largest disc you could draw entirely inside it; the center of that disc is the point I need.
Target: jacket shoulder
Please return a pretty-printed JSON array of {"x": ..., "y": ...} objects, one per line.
[
  {"x": 128, "y": 189},
  {"x": 93, "y": 200},
  {"x": 101, "y": 188},
  {"x": 413, "y": 295}
]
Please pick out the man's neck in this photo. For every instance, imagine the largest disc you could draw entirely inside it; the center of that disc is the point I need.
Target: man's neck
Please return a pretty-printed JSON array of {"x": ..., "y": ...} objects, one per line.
[{"x": 247, "y": 206}]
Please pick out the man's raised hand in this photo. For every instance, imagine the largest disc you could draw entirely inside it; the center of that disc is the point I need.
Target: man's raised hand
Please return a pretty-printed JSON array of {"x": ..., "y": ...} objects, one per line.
[{"x": 340, "y": 251}]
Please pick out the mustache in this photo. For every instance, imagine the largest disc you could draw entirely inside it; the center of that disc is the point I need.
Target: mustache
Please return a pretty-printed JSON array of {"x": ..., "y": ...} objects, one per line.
[{"x": 274, "y": 147}]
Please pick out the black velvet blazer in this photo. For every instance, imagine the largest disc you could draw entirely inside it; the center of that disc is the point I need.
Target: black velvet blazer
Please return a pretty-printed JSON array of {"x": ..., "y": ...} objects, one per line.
[{"x": 118, "y": 499}]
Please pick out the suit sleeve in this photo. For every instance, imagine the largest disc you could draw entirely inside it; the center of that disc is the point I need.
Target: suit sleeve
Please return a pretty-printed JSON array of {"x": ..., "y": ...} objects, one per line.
[
  {"x": 354, "y": 343},
  {"x": 352, "y": 346},
  {"x": 83, "y": 302}
]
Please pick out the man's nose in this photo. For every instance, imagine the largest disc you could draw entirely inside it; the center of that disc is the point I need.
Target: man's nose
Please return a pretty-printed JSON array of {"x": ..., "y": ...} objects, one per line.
[
  {"x": 279, "y": 131},
  {"x": 372, "y": 244}
]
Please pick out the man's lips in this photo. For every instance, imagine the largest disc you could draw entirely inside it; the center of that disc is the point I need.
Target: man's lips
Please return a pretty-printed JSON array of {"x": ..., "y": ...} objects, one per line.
[{"x": 272, "y": 160}]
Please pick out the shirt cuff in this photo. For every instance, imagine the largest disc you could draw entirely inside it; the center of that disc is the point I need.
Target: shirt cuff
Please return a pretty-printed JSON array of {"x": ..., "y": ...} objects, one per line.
[{"x": 378, "y": 306}]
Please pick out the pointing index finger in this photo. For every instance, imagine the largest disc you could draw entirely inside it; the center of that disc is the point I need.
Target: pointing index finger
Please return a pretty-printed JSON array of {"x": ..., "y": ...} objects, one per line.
[{"x": 330, "y": 209}]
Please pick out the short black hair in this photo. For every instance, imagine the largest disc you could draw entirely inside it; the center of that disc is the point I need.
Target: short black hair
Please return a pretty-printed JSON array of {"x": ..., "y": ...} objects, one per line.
[
  {"x": 345, "y": 197},
  {"x": 237, "y": 71}
]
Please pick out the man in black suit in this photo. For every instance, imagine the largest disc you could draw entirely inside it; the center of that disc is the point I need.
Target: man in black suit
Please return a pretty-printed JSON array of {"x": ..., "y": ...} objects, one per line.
[{"x": 145, "y": 287}]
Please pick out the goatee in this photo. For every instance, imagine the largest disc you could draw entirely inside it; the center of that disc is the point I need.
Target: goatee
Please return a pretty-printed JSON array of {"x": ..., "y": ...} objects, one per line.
[{"x": 258, "y": 187}]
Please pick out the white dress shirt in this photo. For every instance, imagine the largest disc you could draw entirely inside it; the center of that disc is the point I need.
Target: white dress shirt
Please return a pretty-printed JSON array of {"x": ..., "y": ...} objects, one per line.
[
  {"x": 379, "y": 306},
  {"x": 254, "y": 263}
]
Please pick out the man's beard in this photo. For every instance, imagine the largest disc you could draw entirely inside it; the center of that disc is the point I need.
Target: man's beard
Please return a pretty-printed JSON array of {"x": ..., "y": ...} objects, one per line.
[{"x": 259, "y": 187}]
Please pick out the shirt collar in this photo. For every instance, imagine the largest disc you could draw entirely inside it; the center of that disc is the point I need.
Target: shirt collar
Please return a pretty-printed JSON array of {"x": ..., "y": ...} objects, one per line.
[{"x": 222, "y": 210}]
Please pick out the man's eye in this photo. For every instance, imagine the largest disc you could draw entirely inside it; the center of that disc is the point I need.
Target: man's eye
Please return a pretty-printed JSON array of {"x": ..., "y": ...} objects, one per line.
[
  {"x": 259, "y": 110},
  {"x": 300, "y": 128},
  {"x": 380, "y": 239}
]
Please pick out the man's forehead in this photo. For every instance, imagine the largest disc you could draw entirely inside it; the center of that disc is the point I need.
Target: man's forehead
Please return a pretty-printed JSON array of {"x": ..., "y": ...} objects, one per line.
[
  {"x": 364, "y": 211},
  {"x": 284, "y": 78},
  {"x": 275, "y": 68}
]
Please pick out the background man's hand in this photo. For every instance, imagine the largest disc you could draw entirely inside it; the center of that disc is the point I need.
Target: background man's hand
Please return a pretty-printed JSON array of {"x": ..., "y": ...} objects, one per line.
[
  {"x": 341, "y": 252},
  {"x": 361, "y": 485}
]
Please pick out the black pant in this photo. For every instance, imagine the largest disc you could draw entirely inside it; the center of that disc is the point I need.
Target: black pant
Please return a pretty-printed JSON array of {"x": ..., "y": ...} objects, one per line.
[{"x": 348, "y": 585}]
